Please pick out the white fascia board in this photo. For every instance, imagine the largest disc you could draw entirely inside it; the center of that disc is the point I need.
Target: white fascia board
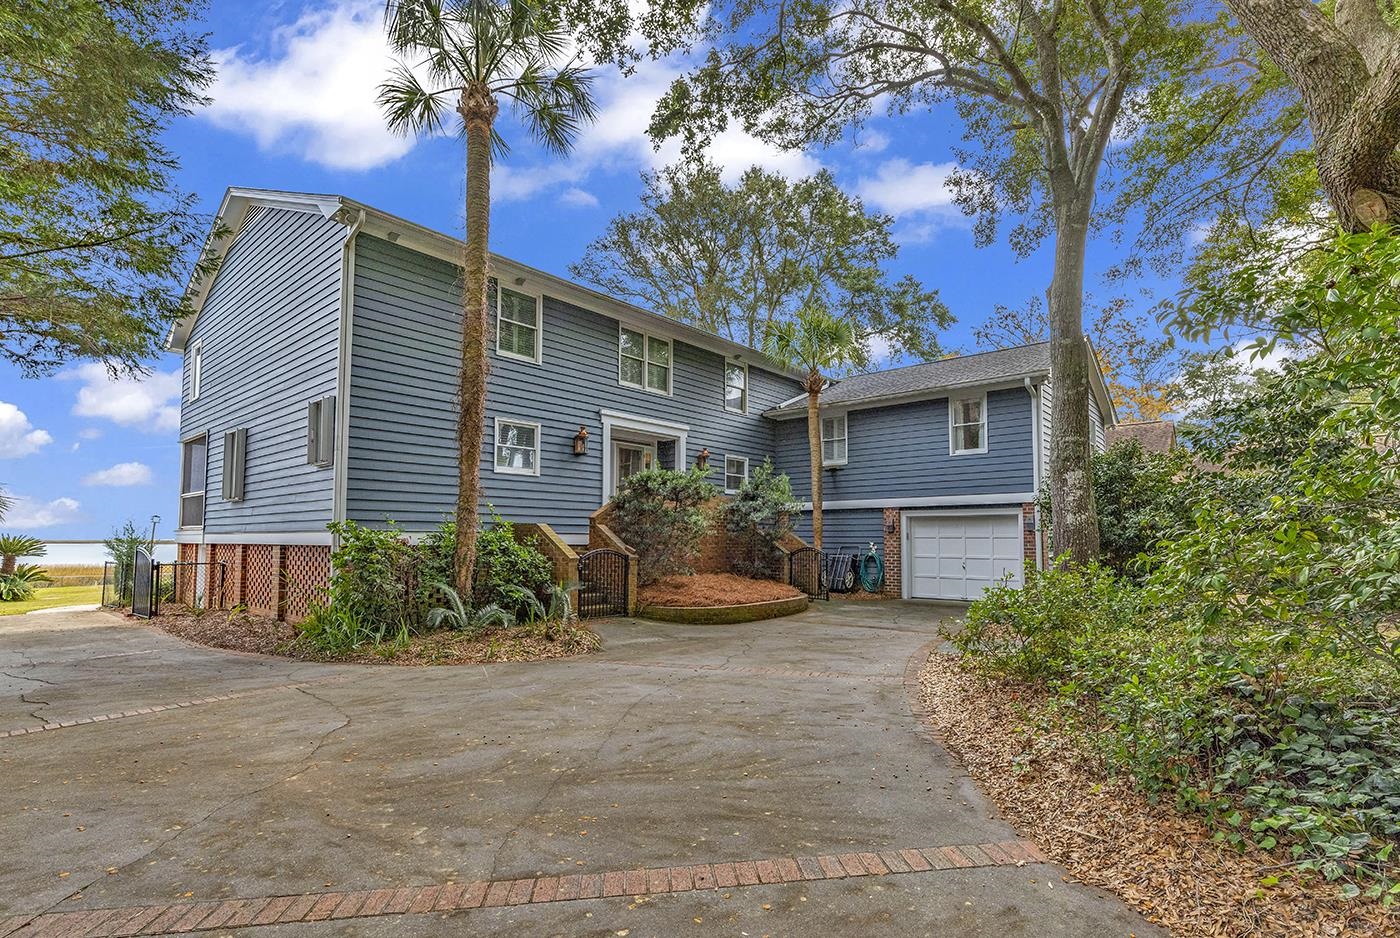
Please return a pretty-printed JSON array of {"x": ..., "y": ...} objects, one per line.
[
  {"x": 945, "y": 501},
  {"x": 786, "y": 412}
]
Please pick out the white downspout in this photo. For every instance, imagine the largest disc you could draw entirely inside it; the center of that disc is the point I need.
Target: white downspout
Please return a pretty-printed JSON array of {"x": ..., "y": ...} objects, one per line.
[
  {"x": 342, "y": 377},
  {"x": 1033, "y": 390}
]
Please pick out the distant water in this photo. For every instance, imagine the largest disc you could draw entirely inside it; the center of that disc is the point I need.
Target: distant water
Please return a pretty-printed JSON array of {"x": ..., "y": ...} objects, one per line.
[{"x": 91, "y": 553}]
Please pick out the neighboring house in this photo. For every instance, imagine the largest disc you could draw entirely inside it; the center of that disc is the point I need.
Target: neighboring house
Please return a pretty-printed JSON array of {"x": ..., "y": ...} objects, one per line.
[
  {"x": 319, "y": 386},
  {"x": 1156, "y": 436}
]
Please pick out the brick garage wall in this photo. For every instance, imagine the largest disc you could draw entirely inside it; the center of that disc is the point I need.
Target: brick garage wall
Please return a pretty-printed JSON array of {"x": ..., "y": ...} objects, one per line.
[
  {"x": 1030, "y": 538},
  {"x": 894, "y": 552}
]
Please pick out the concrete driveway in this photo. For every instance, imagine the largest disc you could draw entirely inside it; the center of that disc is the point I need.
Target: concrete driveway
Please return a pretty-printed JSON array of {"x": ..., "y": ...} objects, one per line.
[{"x": 765, "y": 779}]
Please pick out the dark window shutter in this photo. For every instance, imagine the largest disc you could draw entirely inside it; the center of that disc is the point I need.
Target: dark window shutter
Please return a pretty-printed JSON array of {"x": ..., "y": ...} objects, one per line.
[
  {"x": 235, "y": 458},
  {"x": 313, "y": 432},
  {"x": 326, "y": 438}
]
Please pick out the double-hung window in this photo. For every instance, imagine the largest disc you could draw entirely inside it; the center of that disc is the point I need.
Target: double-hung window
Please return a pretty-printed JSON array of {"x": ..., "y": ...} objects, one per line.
[
  {"x": 194, "y": 455},
  {"x": 834, "y": 440},
  {"x": 644, "y": 361},
  {"x": 517, "y": 447},
  {"x": 517, "y": 323},
  {"x": 736, "y": 473},
  {"x": 967, "y": 425},
  {"x": 736, "y": 387}
]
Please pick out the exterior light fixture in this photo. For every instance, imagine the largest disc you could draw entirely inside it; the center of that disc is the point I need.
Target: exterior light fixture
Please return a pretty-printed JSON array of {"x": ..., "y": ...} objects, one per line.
[
  {"x": 702, "y": 459},
  {"x": 581, "y": 441}
]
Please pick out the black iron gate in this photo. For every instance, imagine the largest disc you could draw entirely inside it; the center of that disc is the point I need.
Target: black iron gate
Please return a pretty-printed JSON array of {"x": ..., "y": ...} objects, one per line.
[
  {"x": 603, "y": 583},
  {"x": 142, "y": 587},
  {"x": 807, "y": 572}
]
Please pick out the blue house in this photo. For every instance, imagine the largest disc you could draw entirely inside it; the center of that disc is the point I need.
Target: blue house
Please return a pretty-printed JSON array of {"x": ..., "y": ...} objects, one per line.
[{"x": 319, "y": 386}]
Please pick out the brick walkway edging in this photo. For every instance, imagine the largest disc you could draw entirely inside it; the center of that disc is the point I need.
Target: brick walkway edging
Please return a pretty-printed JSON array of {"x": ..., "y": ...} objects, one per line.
[
  {"x": 157, "y": 708},
  {"x": 184, "y": 917}
]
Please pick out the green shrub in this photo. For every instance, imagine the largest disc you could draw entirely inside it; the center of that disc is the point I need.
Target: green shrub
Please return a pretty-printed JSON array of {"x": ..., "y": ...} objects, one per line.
[
  {"x": 757, "y": 518},
  {"x": 376, "y": 581},
  {"x": 504, "y": 565},
  {"x": 21, "y": 582},
  {"x": 658, "y": 514}
]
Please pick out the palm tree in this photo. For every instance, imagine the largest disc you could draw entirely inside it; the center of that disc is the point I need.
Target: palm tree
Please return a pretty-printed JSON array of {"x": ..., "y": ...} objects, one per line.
[
  {"x": 465, "y": 55},
  {"x": 817, "y": 343},
  {"x": 14, "y": 546}
]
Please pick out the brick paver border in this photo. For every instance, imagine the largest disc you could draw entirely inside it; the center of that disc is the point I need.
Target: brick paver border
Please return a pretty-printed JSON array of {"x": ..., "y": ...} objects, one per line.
[
  {"x": 157, "y": 708},
  {"x": 184, "y": 917}
]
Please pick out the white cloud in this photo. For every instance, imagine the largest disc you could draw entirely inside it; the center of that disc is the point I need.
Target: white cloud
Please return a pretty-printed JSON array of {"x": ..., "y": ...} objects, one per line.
[
  {"x": 314, "y": 92},
  {"x": 903, "y": 188},
  {"x": 89, "y": 433},
  {"x": 579, "y": 197},
  {"x": 147, "y": 402},
  {"x": 17, "y": 435},
  {"x": 872, "y": 141},
  {"x": 123, "y": 473},
  {"x": 27, "y": 513}
]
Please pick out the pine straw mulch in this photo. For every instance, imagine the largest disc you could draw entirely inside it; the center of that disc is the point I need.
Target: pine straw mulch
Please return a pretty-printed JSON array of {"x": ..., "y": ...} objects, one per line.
[
  {"x": 714, "y": 589},
  {"x": 1109, "y": 835},
  {"x": 265, "y": 636}
]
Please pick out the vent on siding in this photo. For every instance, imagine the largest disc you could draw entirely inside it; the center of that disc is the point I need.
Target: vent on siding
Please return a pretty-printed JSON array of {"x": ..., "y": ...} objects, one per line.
[{"x": 235, "y": 459}]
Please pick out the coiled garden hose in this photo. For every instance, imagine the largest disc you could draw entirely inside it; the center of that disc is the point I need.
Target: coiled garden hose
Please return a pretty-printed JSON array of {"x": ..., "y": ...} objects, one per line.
[{"x": 872, "y": 571}]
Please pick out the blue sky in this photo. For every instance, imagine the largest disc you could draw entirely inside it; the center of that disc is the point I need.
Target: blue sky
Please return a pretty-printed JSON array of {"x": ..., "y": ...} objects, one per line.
[{"x": 293, "y": 109}]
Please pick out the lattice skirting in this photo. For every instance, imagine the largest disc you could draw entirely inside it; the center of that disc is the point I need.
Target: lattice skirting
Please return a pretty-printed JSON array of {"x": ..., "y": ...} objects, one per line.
[{"x": 269, "y": 579}]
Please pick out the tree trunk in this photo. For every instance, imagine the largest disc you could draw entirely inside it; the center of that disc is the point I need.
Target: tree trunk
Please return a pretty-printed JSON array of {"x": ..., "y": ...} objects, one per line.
[
  {"x": 814, "y": 449},
  {"x": 478, "y": 110},
  {"x": 1348, "y": 74},
  {"x": 7, "y": 566},
  {"x": 1075, "y": 529}
]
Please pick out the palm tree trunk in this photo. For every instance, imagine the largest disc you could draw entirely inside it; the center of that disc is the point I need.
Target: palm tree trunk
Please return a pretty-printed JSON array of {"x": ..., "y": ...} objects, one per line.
[
  {"x": 7, "y": 566},
  {"x": 478, "y": 112},
  {"x": 814, "y": 449}
]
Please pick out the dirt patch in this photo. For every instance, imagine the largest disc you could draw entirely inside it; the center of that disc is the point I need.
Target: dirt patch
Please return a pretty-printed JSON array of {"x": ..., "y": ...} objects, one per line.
[
  {"x": 1107, "y": 834},
  {"x": 714, "y": 589},
  {"x": 858, "y": 596},
  {"x": 243, "y": 632}
]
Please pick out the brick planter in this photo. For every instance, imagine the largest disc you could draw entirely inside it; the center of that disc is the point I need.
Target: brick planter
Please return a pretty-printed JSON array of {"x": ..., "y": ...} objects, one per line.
[{"x": 726, "y": 615}]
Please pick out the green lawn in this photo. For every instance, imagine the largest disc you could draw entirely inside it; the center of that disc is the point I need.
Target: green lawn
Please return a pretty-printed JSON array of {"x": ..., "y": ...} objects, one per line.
[{"x": 54, "y": 596}]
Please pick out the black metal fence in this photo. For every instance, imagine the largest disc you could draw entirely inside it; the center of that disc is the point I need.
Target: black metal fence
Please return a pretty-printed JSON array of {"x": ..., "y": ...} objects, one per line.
[
  {"x": 603, "y": 577},
  {"x": 187, "y": 582},
  {"x": 807, "y": 572}
]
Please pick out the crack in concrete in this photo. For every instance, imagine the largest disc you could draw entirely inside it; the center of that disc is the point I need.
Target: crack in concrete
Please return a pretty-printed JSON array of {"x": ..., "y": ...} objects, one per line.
[
  {"x": 224, "y": 805},
  {"x": 24, "y": 696}
]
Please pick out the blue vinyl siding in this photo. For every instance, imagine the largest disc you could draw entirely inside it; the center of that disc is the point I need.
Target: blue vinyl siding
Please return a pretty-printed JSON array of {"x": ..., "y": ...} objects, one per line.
[
  {"x": 269, "y": 332},
  {"x": 901, "y": 451},
  {"x": 847, "y": 528},
  {"x": 405, "y": 339}
]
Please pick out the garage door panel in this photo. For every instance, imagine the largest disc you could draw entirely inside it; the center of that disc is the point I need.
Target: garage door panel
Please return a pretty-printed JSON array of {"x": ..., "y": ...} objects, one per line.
[{"x": 958, "y": 557}]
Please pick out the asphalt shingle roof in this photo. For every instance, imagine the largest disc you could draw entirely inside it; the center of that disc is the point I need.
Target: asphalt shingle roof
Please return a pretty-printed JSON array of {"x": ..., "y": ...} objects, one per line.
[{"x": 983, "y": 367}]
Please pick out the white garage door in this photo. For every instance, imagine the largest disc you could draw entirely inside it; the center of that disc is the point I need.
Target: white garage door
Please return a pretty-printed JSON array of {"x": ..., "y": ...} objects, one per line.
[{"x": 959, "y": 556}]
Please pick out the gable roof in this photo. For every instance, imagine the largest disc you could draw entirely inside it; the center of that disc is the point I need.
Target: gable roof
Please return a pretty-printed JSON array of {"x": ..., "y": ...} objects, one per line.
[
  {"x": 936, "y": 379},
  {"x": 357, "y": 216}
]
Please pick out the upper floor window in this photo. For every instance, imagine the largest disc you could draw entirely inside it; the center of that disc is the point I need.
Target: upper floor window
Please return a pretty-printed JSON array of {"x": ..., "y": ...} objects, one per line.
[
  {"x": 644, "y": 361},
  {"x": 967, "y": 425},
  {"x": 517, "y": 447},
  {"x": 834, "y": 440},
  {"x": 196, "y": 369},
  {"x": 736, "y": 387},
  {"x": 517, "y": 323},
  {"x": 736, "y": 473},
  {"x": 194, "y": 455}
]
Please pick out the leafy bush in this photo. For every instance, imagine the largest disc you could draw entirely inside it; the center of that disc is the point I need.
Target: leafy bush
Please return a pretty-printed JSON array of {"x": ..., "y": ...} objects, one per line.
[
  {"x": 658, "y": 514},
  {"x": 121, "y": 550},
  {"x": 376, "y": 586},
  {"x": 455, "y": 615},
  {"x": 21, "y": 582},
  {"x": 503, "y": 565},
  {"x": 757, "y": 518}
]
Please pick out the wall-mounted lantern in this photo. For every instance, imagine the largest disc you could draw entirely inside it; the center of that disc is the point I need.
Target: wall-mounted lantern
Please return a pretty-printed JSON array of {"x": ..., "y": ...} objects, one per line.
[
  {"x": 702, "y": 459},
  {"x": 581, "y": 441}
]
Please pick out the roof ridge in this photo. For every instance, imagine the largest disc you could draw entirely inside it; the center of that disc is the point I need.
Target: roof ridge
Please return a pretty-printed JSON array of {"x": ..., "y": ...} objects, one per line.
[{"x": 948, "y": 358}]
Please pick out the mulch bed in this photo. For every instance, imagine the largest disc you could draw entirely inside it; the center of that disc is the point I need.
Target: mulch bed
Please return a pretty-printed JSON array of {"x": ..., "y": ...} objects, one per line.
[
  {"x": 264, "y": 636},
  {"x": 714, "y": 589},
  {"x": 1107, "y": 834}
]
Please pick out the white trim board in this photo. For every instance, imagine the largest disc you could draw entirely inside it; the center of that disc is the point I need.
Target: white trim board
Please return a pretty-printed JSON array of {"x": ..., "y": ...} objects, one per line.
[
  {"x": 287, "y": 538},
  {"x": 994, "y": 499}
]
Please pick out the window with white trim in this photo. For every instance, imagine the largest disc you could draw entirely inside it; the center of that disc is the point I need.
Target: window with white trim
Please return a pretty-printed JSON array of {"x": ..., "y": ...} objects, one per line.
[
  {"x": 644, "y": 361},
  {"x": 736, "y": 473},
  {"x": 517, "y": 447},
  {"x": 736, "y": 387},
  {"x": 517, "y": 322},
  {"x": 967, "y": 425},
  {"x": 194, "y": 460},
  {"x": 196, "y": 369},
  {"x": 834, "y": 440}
]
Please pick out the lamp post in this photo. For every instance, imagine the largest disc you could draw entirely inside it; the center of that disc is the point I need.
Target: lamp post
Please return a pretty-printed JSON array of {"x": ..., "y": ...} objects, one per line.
[{"x": 155, "y": 520}]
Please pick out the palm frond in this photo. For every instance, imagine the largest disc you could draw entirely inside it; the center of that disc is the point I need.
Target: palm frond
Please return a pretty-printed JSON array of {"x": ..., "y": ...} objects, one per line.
[{"x": 408, "y": 106}]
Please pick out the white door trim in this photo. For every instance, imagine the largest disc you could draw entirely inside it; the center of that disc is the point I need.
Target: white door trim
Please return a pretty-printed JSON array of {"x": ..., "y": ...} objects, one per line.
[
  {"x": 906, "y": 566},
  {"x": 614, "y": 420}
]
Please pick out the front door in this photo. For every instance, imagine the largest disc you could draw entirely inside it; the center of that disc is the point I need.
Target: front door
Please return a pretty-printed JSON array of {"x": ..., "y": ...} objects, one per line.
[{"x": 632, "y": 458}]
